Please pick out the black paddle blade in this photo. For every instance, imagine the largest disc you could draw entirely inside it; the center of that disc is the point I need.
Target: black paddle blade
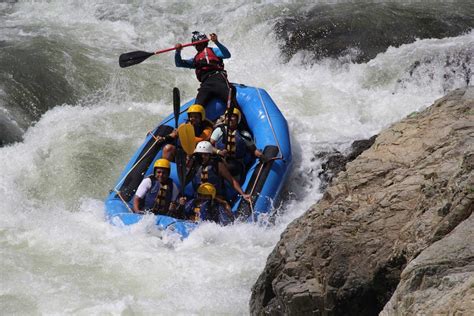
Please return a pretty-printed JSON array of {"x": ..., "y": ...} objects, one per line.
[
  {"x": 181, "y": 166},
  {"x": 133, "y": 58},
  {"x": 176, "y": 105}
]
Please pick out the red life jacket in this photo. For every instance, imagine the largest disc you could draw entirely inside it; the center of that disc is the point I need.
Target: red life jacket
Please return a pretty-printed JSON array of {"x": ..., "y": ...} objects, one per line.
[{"x": 206, "y": 61}]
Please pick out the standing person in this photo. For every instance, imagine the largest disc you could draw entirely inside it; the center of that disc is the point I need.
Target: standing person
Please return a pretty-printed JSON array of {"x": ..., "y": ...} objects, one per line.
[
  {"x": 157, "y": 193},
  {"x": 209, "y": 66}
]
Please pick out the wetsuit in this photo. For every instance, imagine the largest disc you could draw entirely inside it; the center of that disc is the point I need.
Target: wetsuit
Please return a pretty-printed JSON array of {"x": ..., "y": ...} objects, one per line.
[{"x": 210, "y": 72}]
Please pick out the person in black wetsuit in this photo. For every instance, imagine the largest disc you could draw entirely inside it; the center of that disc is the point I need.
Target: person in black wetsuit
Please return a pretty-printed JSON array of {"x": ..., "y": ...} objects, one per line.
[{"x": 209, "y": 66}]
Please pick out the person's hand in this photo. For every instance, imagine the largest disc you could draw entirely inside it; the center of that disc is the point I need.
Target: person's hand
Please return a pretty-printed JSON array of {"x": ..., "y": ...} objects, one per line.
[
  {"x": 213, "y": 37},
  {"x": 174, "y": 133},
  {"x": 178, "y": 47},
  {"x": 223, "y": 152},
  {"x": 247, "y": 197}
]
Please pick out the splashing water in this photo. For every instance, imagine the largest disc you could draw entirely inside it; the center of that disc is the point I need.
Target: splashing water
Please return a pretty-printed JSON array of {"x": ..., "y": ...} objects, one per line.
[{"x": 59, "y": 255}]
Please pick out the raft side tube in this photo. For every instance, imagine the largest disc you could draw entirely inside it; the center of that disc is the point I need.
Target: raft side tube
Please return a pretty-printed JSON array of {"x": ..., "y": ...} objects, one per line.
[
  {"x": 151, "y": 149},
  {"x": 257, "y": 181}
]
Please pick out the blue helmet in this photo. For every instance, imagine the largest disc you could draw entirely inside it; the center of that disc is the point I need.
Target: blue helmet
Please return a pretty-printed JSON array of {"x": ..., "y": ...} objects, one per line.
[{"x": 198, "y": 36}]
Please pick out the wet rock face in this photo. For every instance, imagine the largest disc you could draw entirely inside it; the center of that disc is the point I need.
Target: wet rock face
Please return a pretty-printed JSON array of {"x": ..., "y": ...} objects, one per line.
[
  {"x": 335, "y": 162},
  {"x": 441, "y": 279},
  {"x": 364, "y": 29},
  {"x": 405, "y": 194}
]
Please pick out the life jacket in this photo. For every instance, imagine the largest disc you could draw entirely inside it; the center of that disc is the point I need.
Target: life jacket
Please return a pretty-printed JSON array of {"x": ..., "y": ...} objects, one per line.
[
  {"x": 206, "y": 61},
  {"x": 209, "y": 173},
  {"x": 158, "y": 198},
  {"x": 233, "y": 142},
  {"x": 204, "y": 211},
  {"x": 201, "y": 127}
]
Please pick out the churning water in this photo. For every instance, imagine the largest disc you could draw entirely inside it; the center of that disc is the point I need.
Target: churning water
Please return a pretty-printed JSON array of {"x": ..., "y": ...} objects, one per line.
[{"x": 70, "y": 119}]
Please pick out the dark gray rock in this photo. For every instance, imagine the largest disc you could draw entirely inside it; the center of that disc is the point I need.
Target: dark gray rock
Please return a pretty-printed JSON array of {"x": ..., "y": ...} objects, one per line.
[
  {"x": 335, "y": 162},
  {"x": 363, "y": 29},
  {"x": 411, "y": 188}
]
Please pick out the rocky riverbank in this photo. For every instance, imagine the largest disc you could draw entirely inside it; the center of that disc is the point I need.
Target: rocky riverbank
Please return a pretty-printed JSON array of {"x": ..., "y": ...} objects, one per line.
[{"x": 393, "y": 233}]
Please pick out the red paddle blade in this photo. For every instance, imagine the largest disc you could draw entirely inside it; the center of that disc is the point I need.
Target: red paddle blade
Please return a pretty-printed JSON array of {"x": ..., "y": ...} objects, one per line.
[{"x": 133, "y": 58}]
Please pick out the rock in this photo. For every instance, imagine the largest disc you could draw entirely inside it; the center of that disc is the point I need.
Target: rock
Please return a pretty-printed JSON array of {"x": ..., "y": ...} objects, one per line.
[
  {"x": 360, "y": 30},
  {"x": 408, "y": 192},
  {"x": 440, "y": 280},
  {"x": 335, "y": 162}
]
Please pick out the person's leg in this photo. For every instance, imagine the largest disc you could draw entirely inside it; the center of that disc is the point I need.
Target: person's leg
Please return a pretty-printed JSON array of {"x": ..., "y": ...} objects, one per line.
[
  {"x": 168, "y": 152},
  {"x": 217, "y": 86},
  {"x": 205, "y": 92},
  {"x": 225, "y": 91},
  {"x": 236, "y": 169}
]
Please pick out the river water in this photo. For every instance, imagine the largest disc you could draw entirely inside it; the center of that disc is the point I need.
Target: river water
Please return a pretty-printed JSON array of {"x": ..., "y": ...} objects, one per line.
[{"x": 70, "y": 119}]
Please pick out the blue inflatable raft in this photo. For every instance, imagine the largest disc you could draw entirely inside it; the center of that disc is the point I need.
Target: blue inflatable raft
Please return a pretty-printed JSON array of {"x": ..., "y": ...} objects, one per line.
[{"x": 264, "y": 181}]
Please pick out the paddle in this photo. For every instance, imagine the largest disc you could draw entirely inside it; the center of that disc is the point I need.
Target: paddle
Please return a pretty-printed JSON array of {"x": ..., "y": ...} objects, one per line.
[
  {"x": 176, "y": 105},
  {"x": 187, "y": 137},
  {"x": 180, "y": 154},
  {"x": 136, "y": 57}
]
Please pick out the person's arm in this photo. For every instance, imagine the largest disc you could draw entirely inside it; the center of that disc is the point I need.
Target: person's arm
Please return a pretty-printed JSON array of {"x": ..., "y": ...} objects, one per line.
[
  {"x": 250, "y": 144},
  {"x": 142, "y": 189},
  {"x": 136, "y": 204},
  {"x": 175, "y": 208},
  {"x": 205, "y": 135},
  {"x": 227, "y": 209},
  {"x": 221, "y": 51},
  {"x": 215, "y": 136},
  {"x": 224, "y": 172},
  {"x": 183, "y": 63}
]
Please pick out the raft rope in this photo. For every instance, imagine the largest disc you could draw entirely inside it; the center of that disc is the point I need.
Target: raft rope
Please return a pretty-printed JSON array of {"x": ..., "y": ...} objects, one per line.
[
  {"x": 135, "y": 165},
  {"x": 157, "y": 139},
  {"x": 123, "y": 201}
]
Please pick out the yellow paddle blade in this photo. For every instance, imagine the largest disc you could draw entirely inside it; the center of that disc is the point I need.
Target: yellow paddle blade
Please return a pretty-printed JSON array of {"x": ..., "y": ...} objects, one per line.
[{"x": 187, "y": 137}]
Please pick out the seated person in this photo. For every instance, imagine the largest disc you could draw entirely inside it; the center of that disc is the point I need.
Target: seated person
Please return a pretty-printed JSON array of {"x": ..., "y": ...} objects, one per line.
[
  {"x": 157, "y": 193},
  {"x": 202, "y": 129},
  {"x": 207, "y": 207},
  {"x": 208, "y": 168},
  {"x": 233, "y": 144}
]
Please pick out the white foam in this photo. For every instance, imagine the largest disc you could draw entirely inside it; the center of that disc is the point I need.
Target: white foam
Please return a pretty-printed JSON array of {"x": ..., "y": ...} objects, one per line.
[{"x": 61, "y": 256}]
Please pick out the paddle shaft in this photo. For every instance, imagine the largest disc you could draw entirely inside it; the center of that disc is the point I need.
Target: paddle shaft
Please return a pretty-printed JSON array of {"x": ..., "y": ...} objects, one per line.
[
  {"x": 180, "y": 156},
  {"x": 183, "y": 45},
  {"x": 136, "y": 57}
]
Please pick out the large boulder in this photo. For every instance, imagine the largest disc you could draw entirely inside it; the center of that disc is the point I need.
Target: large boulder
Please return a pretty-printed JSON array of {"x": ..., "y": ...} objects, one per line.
[
  {"x": 440, "y": 280},
  {"x": 345, "y": 255}
]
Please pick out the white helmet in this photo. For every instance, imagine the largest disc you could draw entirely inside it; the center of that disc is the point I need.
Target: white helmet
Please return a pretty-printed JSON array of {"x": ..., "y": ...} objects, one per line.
[{"x": 204, "y": 147}]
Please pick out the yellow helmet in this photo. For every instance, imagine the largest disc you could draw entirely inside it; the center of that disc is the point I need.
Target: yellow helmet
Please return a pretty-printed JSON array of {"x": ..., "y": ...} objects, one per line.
[
  {"x": 162, "y": 163},
  {"x": 197, "y": 108},
  {"x": 207, "y": 189},
  {"x": 236, "y": 112}
]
